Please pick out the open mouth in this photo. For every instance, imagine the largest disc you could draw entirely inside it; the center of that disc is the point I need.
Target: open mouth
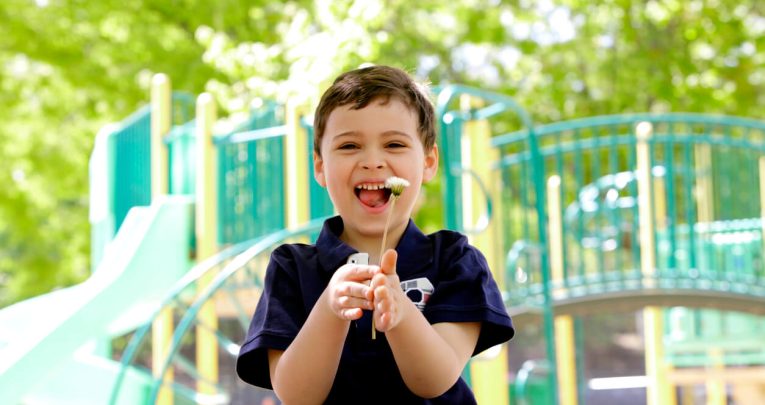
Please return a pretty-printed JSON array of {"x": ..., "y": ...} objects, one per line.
[{"x": 372, "y": 194}]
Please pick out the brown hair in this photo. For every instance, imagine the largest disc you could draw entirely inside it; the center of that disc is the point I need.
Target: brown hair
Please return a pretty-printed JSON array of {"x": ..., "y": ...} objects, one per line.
[{"x": 361, "y": 86}]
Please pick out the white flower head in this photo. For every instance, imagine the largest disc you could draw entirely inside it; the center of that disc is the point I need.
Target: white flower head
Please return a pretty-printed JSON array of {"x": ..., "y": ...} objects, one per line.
[{"x": 396, "y": 185}]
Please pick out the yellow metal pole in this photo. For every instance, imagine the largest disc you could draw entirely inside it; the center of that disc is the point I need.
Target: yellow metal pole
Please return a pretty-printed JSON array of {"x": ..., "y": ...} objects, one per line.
[
  {"x": 645, "y": 209},
  {"x": 658, "y": 390},
  {"x": 564, "y": 324},
  {"x": 206, "y": 236},
  {"x": 754, "y": 392},
  {"x": 488, "y": 371},
  {"x": 716, "y": 394},
  {"x": 161, "y": 119},
  {"x": 160, "y": 126},
  {"x": 660, "y": 205},
  {"x": 296, "y": 167},
  {"x": 660, "y": 202},
  {"x": 705, "y": 206},
  {"x": 161, "y": 337}
]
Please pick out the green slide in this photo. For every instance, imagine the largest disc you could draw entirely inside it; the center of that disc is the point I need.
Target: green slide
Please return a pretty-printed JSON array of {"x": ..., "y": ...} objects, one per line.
[{"x": 48, "y": 343}]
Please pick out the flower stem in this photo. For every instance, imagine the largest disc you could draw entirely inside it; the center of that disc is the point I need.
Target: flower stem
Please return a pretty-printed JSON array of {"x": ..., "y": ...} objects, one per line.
[
  {"x": 382, "y": 250},
  {"x": 385, "y": 232}
]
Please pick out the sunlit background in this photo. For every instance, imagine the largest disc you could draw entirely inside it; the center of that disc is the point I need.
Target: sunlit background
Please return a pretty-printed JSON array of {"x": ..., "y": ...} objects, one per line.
[{"x": 69, "y": 67}]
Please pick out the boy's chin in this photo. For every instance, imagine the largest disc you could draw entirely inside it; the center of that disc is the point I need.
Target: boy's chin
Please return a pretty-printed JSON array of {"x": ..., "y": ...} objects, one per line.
[{"x": 372, "y": 227}]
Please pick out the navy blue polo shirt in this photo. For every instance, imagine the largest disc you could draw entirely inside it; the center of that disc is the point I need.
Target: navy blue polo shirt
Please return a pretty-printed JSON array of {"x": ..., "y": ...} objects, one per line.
[{"x": 447, "y": 278}]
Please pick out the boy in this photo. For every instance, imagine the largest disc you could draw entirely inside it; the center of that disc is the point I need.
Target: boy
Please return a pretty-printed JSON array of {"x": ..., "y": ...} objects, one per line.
[{"x": 432, "y": 297}]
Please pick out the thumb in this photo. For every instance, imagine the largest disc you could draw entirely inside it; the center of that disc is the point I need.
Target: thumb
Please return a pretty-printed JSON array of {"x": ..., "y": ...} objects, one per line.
[{"x": 388, "y": 262}]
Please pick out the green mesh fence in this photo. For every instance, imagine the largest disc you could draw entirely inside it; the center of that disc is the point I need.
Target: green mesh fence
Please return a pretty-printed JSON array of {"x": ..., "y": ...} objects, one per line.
[
  {"x": 596, "y": 160},
  {"x": 131, "y": 149},
  {"x": 130, "y": 146},
  {"x": 181, "y": 148},
  {"x": 250, "y": 162},
  {"x": 251, "y": 189},
  {"x": 708, "y": 230},
  {"x": 321, "y": 205},
  {"x": 707, "y": 338}
]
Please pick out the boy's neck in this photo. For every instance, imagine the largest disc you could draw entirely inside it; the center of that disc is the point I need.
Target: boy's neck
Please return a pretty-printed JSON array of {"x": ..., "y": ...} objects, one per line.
[{"x": 372, "y": 244}]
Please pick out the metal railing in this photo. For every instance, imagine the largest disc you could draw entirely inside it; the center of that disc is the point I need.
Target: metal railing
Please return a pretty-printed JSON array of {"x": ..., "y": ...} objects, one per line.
[{"x": 237, "y": 278}]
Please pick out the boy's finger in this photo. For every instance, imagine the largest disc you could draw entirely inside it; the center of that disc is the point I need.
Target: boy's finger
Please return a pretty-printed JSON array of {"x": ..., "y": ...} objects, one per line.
[
  {"x": 353, "y": 303},
  {"x": 377, "y": 281},
  {"x": 360, "y": 272},
  {"x": 388, "y": 262},
  {"x": 380, "y": 293},
  {"x": 354, "y": 289},
  {"x": 351, "y": 314}
]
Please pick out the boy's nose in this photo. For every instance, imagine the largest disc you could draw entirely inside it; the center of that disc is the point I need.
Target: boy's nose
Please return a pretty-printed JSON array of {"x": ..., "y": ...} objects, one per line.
[
  {"x": 373, "y": 161},
  {"x": 373, "y": 165}
]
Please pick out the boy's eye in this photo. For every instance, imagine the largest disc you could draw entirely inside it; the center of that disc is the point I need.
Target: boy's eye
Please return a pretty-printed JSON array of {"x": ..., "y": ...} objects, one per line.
[
  {"x": 396, "y": 145},
  {"x": 347, "y": 146}
]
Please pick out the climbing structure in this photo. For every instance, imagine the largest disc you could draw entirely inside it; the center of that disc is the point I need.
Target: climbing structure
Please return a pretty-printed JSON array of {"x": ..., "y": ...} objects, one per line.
[{"x": 657, "y": 214}]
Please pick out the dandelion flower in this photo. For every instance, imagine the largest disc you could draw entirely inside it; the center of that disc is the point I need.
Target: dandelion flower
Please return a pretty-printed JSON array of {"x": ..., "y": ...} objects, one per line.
[{"x": 396, "y": 185}]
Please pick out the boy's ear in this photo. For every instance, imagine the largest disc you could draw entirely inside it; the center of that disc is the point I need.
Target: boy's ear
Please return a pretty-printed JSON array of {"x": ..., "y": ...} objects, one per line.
[
  {"x": 318, "y": 170},
  {"x": 431, "y": 164}
]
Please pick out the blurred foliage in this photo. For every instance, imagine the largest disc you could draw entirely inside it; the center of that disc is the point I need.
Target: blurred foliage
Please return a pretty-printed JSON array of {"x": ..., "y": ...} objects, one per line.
[{"x": 67, "y": 67}]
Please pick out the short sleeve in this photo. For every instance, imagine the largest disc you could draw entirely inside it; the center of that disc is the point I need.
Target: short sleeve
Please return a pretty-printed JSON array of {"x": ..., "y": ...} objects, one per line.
[
  {"x": 277, "y": 319},
  {"x": 466, "y": 292}
]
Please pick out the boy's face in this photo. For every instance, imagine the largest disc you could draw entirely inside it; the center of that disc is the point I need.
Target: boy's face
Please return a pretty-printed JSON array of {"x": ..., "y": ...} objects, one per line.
[{"x": 360, "y": 149}]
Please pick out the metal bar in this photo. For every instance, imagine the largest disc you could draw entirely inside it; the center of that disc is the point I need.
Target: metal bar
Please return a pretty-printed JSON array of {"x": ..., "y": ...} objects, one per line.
[
  {"x": 579, "y": 173},
  {"x": 252, "y": 135},
  {"x": 670, "y": 200}
]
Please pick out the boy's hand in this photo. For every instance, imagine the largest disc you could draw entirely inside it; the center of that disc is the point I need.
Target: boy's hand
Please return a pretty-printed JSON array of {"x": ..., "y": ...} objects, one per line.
[
  {"x": 348, "y": 291},
  {"x": 388, "y": 296}
]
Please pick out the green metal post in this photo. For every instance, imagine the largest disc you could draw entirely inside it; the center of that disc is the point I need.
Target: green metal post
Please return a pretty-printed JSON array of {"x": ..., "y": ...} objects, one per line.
[{"x": 547, "y": 311}]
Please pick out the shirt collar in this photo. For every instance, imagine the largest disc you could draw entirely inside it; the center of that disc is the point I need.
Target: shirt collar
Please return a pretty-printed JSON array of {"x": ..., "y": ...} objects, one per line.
[{"x": 414, "y": 249}]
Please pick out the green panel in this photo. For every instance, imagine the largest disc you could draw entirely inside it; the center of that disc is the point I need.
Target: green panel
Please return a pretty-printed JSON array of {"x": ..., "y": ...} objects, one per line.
[
  {"x": 132, "y": 164},
  {"x": 320, "y": 204},
  {"x": 451, "y": 163},
  {"x": 181, "y": 146},
  {"x": 251, "y": 186},
  {"x": 132, "y": 156},
  {"x": 693, "y": 334}
]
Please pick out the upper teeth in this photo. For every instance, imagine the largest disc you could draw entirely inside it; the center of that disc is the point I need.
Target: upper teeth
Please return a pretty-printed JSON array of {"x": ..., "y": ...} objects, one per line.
[{"x": 371, "y": 186}]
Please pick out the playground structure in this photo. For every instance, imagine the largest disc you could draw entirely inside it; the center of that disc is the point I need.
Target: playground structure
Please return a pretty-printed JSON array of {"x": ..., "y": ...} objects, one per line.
[{"x": 660, "y": 214}]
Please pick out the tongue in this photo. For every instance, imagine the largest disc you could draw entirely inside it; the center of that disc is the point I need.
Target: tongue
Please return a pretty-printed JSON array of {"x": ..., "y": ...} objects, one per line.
[{"x": 373, "y": 198}]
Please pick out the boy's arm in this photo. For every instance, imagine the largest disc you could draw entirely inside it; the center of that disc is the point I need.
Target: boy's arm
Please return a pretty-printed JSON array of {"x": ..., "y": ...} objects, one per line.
[
  {"x": 429, "y": 357},
  {"x": 304, "y": 373}
]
